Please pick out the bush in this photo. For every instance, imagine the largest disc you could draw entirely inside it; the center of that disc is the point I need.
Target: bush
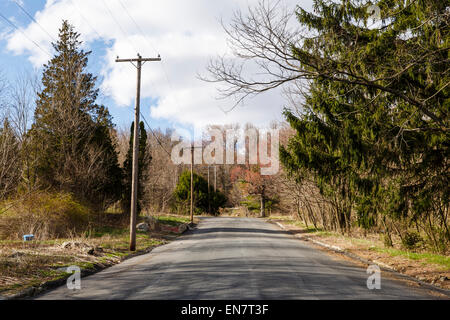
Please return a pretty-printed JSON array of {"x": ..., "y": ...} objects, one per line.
[
  {"x": 387, "y": 240},
  {"x": 202, "y": 203},
  {"x": 46, "y": 215},
  {"x": 411, "y": 239},
  {"x": 253, "y": 203},
  {"x": 438, "y": 240}
]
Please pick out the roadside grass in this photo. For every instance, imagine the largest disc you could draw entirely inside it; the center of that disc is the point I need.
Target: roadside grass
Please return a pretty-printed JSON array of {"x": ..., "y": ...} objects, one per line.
[
  {"x": 173, "y": 220},
  {"x": 297, "y": 223},
  {"x": 101, "y": 231},
  {"x": 437, "y": 259},
  {"x": 30, "y": 264}
]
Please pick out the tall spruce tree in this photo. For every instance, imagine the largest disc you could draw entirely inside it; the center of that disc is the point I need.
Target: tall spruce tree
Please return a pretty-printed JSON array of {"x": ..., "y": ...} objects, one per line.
[
  {"x": 375, "y": 128},
  {"x": 143, "y": 162},
  {"x": 71, "y": 134}
]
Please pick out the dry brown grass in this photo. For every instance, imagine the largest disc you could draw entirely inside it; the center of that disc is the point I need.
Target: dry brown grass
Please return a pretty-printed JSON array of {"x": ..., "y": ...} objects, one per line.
[
  {"x": 26, "y": 264},
  {"x": 46, "y": 215}
]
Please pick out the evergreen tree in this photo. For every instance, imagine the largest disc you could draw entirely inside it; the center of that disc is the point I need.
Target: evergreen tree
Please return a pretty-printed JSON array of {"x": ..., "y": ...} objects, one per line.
[
  {"x": 71, "y": 133},
  {"x": 182, "y": 193},
  {"x": 374, "y": 133},
  {"x": 143, "y": 162}
]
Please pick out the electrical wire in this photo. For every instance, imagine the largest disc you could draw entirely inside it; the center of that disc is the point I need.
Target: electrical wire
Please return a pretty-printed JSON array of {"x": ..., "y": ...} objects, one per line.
[
  {"x": 153, "y": 48},
  {"x": 24, "y": 34},
  {"x": 137, "y": 26},
  {"x": 156, "y": 137},
  {"x": 118, "y": 24},
  {"x": 84, "y": 18},
  {"x": 34, "y": 20}
]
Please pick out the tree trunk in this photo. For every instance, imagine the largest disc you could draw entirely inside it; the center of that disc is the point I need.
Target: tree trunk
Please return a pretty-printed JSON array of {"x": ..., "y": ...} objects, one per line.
[{"x": 263, "y": 205}]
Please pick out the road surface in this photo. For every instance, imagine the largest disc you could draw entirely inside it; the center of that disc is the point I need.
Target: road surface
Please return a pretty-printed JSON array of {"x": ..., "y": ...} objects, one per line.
[{"x": 235, "y": 258}]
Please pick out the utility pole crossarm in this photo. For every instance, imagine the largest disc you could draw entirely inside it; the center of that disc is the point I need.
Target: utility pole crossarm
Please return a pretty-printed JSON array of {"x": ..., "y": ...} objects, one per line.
[{"x": 138, "y": 59}]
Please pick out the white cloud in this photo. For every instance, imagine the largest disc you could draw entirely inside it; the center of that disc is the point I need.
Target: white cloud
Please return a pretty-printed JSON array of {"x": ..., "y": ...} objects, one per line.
[{"x": 186, "y": 34}]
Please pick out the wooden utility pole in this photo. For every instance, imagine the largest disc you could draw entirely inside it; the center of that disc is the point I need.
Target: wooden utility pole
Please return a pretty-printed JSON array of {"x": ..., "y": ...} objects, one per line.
[
  {"x": 215, "y": 178},
  {"x": 192, "y": 183},
  {"x": 209, "y": 201},
  {"x": 135, "y": 171}
]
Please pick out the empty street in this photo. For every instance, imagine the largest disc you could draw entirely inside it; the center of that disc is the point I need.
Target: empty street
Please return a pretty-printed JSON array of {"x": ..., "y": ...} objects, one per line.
[{"x": 236, "y": 258}]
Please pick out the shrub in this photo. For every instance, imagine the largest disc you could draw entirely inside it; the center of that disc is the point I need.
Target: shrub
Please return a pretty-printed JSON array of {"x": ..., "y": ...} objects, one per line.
[
  {"x": 387, "y": 240},
  {"x": 46, "y": 215},
  {"x": 438, "y": 240},
  {"x": 410, "y": 240},
  {"x": 203, "y": 201}
]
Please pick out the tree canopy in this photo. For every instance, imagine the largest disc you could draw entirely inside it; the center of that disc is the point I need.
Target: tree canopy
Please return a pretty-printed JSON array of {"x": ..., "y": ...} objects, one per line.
[{"x": 70, "y": 136}]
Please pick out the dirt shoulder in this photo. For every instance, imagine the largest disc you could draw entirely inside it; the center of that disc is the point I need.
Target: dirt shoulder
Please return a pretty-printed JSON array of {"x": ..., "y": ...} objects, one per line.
[
  {"x": 28, "y": 268},
  {"x": 427, "y": 267}
]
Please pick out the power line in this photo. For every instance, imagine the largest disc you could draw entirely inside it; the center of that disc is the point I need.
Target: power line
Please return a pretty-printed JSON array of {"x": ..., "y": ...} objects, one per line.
[
  {"x": 153, "y": 48},
  {"x": 136, "y": 24},
  {"x": 140, "y": 31},
  {"x": 24, "y": 34},
  {"x": 156, "y": 137},
  {"x": 34, "y": 20},
  {"x": 148, "y": 42},
  {"x": 118, "y": 24},
  {"x": 84, "y": 18}
]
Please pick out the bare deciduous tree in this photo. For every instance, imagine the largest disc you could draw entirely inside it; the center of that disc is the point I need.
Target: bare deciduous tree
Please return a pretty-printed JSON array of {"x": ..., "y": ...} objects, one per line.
[{"x": 271, "y": 49}]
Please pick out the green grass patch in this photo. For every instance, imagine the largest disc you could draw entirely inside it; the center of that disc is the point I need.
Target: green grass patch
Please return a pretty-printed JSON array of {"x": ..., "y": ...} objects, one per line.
[
  {"x": 107, "y": 230},
  {"x": 173, "y": 220},
  {"x": 438, "y": 259}
]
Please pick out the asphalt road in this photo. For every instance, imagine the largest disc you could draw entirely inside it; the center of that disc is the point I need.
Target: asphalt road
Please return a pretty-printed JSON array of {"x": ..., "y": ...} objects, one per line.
[{"x": 235, "y": 258}]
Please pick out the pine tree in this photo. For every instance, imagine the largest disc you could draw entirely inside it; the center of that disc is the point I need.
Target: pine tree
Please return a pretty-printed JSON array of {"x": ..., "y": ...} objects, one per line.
[
  {"x": 374, "y": 133},
  {"x": 71, "y": 133},
  {"x": 143, "y": 162},
  {"x": 182, "y": 194}
]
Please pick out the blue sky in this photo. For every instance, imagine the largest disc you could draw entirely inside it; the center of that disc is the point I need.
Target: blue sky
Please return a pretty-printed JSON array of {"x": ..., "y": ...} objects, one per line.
[
  {"x": 11, "y": 63},
  {"x": 187, "y": 34}
]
